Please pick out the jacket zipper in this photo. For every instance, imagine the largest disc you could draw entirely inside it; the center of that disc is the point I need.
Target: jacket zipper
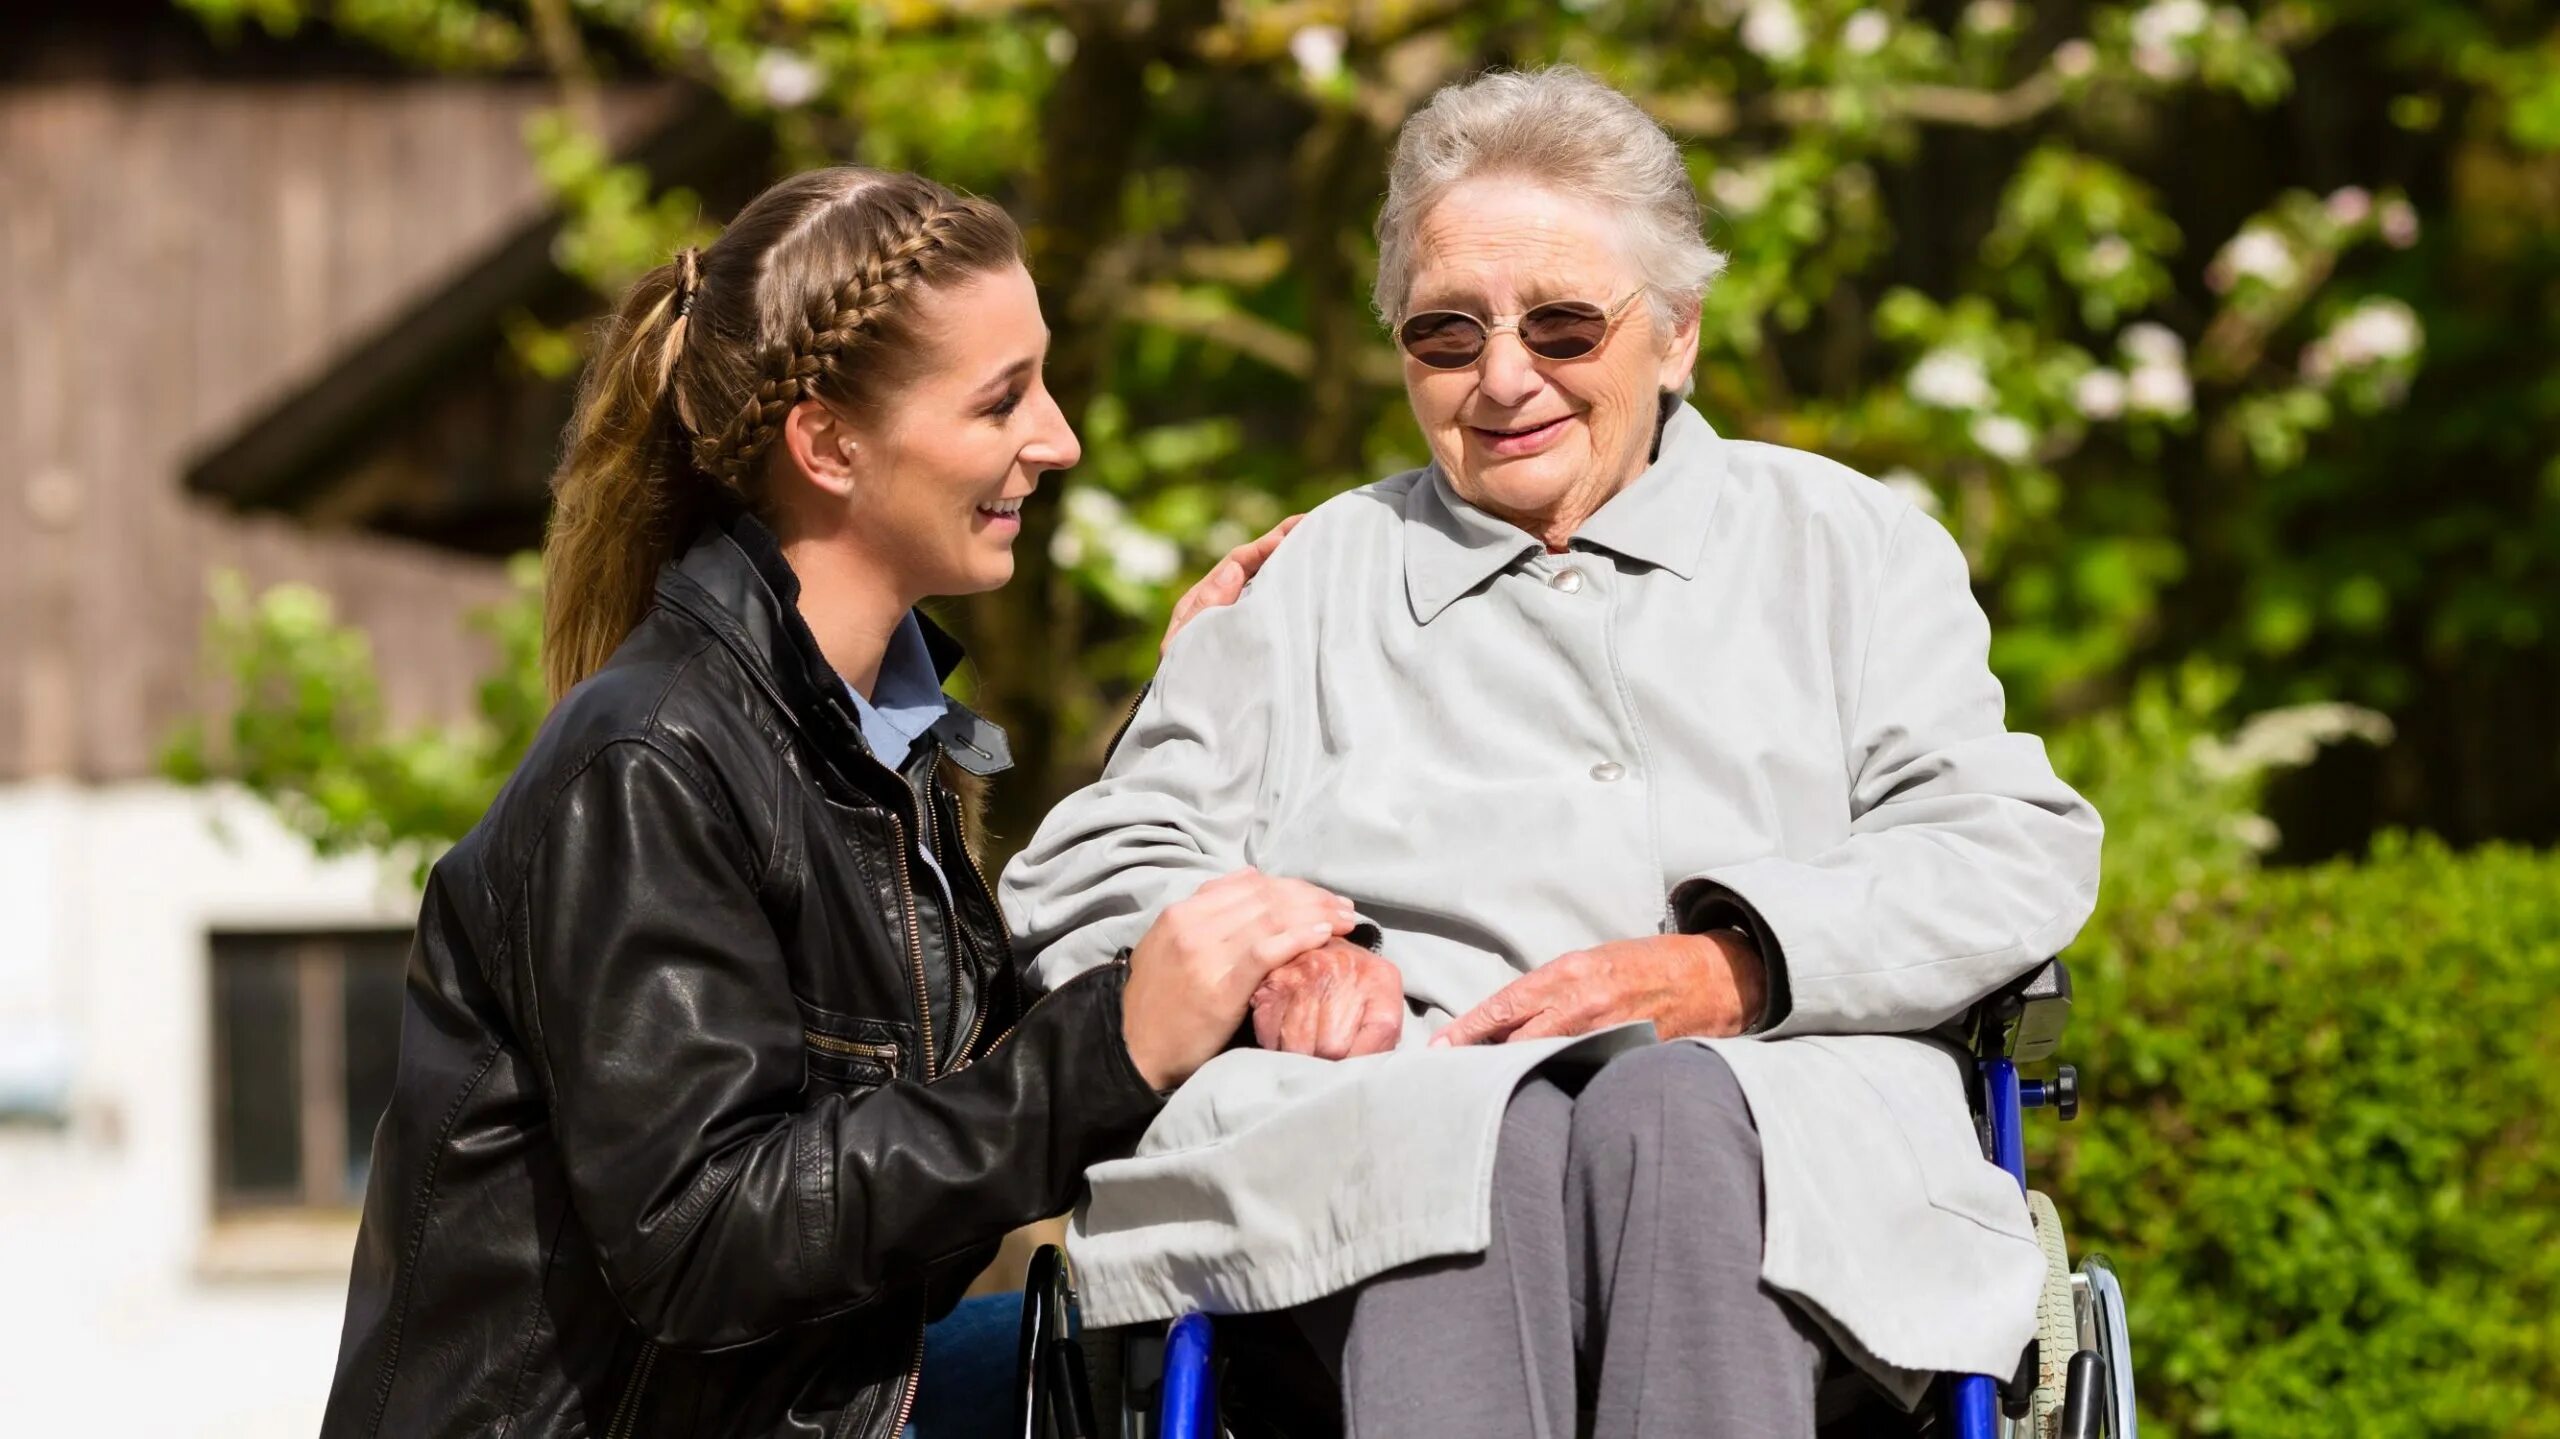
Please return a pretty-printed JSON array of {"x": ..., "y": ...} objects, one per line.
[
  {"x": 915, "y": 1380},
  {"x": 977, "y": 1021},
  {"x": 854, "y": 1048},
  {"x": 928, "y": 807},
  {"x": 626, "y": 1415},
  {"x": 915, "y": 944},
  {"x": 960, "y": 926},
  {"x": 1025, "y": 1018}
]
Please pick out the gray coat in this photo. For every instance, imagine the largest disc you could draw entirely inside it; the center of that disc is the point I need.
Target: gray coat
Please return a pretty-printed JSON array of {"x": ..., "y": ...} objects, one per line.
[{"x": 1756, "y": 683}]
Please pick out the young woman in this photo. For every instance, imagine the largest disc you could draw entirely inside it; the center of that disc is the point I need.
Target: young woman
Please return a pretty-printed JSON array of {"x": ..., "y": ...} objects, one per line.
[{"x": 716, "y": 1086}]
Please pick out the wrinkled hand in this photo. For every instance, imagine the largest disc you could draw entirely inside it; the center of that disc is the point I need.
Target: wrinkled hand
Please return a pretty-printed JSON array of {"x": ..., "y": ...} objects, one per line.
[
  {"x": 1334, "y": 1002},
  {"x": 1687, "y": 984},
  {"x": 1224, "y": 584}
]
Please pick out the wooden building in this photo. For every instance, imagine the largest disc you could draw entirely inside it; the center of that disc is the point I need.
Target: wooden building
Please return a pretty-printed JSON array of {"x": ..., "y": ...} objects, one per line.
[{"x": 236, "y": 280}]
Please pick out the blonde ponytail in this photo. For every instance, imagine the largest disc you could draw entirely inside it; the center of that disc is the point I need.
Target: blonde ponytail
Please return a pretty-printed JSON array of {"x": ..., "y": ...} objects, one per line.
[{"x": 624, "y": 496}]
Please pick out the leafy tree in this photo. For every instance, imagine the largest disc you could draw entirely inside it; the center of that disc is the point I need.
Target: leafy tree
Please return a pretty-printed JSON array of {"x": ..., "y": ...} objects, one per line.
[
  {"x": 2209, "y": 329},
  {"x": 309, "y": 732}
]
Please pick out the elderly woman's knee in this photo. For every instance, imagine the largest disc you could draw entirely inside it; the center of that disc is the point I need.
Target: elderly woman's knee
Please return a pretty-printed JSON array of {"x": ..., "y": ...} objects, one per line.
[{"x": 1687, "y": 1086}]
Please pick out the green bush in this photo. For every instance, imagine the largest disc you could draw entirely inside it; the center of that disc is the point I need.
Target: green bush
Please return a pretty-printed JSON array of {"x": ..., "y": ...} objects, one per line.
[{"x": 2319, "y": 1141}]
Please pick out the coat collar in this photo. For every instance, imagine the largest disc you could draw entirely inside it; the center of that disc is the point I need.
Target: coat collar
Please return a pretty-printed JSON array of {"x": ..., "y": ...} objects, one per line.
[
  {"x": 1452, "y": 548},
  {"x": 734, "y": 578}
]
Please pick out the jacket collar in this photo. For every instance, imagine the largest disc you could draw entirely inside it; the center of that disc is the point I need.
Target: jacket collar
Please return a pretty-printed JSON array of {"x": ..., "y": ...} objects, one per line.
[
  {"x": 735, "y": 580},
  {"x": 1452, "y": 548}
]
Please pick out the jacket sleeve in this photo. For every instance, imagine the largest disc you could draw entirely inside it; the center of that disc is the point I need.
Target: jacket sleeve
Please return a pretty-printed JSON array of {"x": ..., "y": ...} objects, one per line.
[
  {"x": 1170, "y": 812},
  {"x": 725, "y": 1199},
  {"x": 1967, "y": 861}
]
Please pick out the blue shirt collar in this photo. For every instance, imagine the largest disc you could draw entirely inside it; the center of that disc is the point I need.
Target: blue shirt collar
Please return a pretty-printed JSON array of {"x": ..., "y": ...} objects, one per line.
[{"x": 906, "y": 701}]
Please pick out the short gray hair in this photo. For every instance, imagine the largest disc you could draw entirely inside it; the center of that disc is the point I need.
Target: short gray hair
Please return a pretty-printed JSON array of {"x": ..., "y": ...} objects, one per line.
[{"x": 1562, "y": 128}]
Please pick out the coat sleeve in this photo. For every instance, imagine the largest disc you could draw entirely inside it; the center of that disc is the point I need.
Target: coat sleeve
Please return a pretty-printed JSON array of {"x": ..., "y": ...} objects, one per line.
[
  {"x": 726, "y": 1197},
  {"x": 1171, "y": 811},
  {"x": 1967, "y": 861}
]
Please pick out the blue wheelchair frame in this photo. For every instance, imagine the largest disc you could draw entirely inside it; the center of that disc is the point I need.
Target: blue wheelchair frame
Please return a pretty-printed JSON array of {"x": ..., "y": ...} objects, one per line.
[{"x": 2022, "y": 1022}]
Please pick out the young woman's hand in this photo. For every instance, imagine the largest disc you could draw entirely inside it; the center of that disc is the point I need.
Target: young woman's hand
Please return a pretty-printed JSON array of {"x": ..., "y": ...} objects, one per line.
[
  {"x": 1334, "y": 1003},
  {"x": 1224, "y": 585},
  {"x": 1197, "y": 967}
]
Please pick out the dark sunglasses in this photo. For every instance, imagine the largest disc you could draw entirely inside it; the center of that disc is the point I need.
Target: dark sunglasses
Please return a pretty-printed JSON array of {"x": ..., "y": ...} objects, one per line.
[{"x": 1556, "y": 330}]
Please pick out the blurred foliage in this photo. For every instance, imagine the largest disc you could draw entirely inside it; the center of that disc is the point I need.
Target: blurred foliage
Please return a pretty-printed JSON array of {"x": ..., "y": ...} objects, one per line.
[
  {"x": 2318, "y": 1142},
  {"x": 309, "y": 734},
  {"x": 2317, "y": 1132}
]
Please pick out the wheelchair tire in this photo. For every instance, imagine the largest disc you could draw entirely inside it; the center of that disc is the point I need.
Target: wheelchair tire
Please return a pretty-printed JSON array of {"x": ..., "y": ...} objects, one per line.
[{"x": 2057, "y": 1323}]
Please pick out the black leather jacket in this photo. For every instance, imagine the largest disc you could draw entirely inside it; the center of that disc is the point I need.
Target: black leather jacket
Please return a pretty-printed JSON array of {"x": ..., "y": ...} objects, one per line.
[{"x": 707, "y": 1100}]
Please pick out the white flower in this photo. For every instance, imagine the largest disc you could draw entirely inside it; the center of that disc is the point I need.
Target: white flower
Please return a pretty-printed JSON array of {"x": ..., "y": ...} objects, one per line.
[
  {"x": 787, "y": 81},
  {"x": 2074, "y": 58},
  {"x": 1741, "y": 191},
  {"x": 2162, "y": 390},
  {"x": 2349, "y": 205},
  {"x": 1991, "y": 17},
  {"x": 1949, "y": 379},
  {"x": 1908, "y": 484},
  {"x": 2109, "y": 256},
  {"x": 1772, "y": 30},
  {"x": 2150, "y": 343},
  {"x": 1094, "y": 508},
  {"x": 2157, "y": 383},
  {"x": 2380, "y": 330},
  {"x": 1060, "y": 46},
  {"x": 2256, "y": 253},
  {"x": 2160, "y": 62},
  {"x": 2288, "y": 738},
  {"x": 1865, "y": 32},
  {"x": 2099, "y": 394},
  {"x": 2256, "y": 831},
  {"x": 2164, "y": 23},
  {"x": 2003, "y": 437},
  {"x": 2375, "y": 332},
  {"x": 1318, "y": 51},
  {"x": 2399, "y": 224},
  {"x": 2319, "y": 361},
  {"x": 1095, "y": 523},
  {"x": 1143, "y": 556}
]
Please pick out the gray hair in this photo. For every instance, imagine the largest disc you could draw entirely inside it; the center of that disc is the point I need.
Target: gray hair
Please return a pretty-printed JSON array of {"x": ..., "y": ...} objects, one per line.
[{"x": 1562, "y": 128}]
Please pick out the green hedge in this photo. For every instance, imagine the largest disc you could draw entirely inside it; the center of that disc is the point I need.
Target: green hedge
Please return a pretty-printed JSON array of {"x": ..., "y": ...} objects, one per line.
[{"x": 2319, "y": 1141}]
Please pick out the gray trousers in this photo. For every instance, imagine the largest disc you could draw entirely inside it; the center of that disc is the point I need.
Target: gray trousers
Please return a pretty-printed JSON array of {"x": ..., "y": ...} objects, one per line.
[{"x": 1622, "y": 1286}]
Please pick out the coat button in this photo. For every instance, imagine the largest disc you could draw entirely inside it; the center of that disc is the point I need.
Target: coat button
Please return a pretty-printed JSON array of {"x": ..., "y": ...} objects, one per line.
[
  {"x": 1608, "y": 771},
  {"x": 1567, "y": 580}
]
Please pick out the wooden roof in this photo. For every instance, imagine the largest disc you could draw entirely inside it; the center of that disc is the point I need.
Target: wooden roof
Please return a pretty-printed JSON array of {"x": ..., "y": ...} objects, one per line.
[{"x": 424, "y": 426}]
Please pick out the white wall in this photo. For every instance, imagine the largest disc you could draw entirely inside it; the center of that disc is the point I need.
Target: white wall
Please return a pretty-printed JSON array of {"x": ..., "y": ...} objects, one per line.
[{"x": 116, "y": 1286}]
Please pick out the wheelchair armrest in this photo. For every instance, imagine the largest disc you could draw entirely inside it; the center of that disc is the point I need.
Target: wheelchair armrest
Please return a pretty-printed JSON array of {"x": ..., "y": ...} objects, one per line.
[{"x": 2024, "y": 1019}]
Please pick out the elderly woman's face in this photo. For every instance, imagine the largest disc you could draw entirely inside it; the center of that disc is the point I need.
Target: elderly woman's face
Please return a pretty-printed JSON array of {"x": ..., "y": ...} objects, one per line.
[{"x": 1542, "y": 443}]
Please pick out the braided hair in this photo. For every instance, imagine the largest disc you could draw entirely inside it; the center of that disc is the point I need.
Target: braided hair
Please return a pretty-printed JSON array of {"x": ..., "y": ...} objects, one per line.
[{"x": 808, "y": 295}]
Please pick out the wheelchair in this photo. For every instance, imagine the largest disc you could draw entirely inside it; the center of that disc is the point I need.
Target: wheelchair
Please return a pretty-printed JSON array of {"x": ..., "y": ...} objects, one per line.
[{"x": 1245, "y": 1376}]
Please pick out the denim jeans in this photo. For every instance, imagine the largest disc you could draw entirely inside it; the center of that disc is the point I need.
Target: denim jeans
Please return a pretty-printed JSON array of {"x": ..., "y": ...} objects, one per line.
[{"x": 968, "y": 1384}]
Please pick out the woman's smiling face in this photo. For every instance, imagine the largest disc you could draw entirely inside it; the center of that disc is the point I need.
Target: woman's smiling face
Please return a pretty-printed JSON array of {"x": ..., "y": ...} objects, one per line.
[
  {"x": 1541, "y": 443},
  {"x": 927, "y": 488}
]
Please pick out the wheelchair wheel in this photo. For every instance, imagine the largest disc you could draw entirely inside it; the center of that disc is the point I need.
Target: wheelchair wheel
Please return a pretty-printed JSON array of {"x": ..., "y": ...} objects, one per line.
[
  {"x": 2057, "y": 1324},
  {"x": 2100, "y": 1300}
]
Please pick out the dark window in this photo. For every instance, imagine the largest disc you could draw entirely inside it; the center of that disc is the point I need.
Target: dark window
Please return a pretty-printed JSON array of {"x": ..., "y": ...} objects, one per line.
[{"x": 306, "y": 1041}]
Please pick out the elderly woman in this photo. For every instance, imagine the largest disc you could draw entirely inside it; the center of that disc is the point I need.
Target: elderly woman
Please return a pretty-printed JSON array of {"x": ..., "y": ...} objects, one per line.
[{"x": 1600, "y": 718}]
